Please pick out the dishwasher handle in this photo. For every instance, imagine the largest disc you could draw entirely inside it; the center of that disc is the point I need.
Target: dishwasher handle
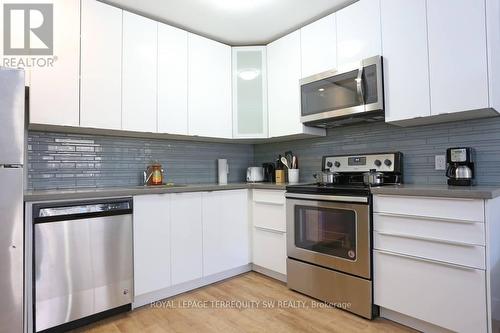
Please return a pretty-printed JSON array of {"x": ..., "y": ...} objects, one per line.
[{"x": 65, "y": 211}]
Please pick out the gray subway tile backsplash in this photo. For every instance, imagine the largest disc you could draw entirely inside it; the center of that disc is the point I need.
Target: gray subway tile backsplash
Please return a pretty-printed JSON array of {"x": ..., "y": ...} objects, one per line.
[
  {"x": 418, "y": 144},
  {"x": 58, "y": 160}
]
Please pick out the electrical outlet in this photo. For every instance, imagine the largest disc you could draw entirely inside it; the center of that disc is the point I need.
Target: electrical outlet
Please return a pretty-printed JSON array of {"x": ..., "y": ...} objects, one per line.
[{"x": 440, "y": 162}]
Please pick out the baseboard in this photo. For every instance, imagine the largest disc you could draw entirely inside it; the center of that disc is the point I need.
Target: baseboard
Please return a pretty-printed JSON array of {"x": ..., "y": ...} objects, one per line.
[
  {"x": 414, "y": 323},
  {"x": 154, "y": 296},
  {"x": 275, "y": 275}
]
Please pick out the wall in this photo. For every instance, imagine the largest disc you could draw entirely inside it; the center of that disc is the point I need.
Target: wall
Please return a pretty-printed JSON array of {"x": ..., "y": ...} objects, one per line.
[
  {"x": 418, "y": 144},
  {"x": 57, "y": 161}
]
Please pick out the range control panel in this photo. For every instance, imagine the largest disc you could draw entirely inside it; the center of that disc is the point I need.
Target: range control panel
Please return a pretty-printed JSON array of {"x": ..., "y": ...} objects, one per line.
[{"x": 386, "y": 162}]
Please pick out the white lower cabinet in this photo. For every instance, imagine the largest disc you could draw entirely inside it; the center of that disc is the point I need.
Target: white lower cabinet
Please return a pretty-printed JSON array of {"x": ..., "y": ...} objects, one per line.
[
  {"x": 151, "y": 243},
  {"x": 182, "y": 239},
  {"x": 269, "y": 249},
  {"x": 430, "y": 261},
  {"x": 226, "y": 232},
  {"x": 186, "y": 231},
  {"x": 269, "y": 230},
  {"x": 449, "y": 296}
]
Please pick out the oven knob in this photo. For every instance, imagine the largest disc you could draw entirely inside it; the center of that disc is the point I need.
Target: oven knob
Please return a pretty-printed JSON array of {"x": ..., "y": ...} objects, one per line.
[
  {"x": 337, "y": 164},
  {"x": 378, "y": 163},
  {"x": 388, "y": 162},
  {"x": 329, "y": 164}
]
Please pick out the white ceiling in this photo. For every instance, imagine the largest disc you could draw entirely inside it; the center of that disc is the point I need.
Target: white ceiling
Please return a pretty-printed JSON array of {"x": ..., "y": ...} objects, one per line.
[{"x": 235, "y": 22}]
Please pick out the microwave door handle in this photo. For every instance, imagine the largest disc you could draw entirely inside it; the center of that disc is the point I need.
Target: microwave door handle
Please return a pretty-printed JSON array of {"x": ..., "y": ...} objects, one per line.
[{"x": 359, "y": 85}]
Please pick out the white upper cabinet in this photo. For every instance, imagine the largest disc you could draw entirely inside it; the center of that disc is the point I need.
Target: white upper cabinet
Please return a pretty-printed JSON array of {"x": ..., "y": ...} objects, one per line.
[
  {"x": 172, "y": 80},
  {"x": 457, "y": 55},
  {"x": 186, "y": 237},
  {"x": 139, "y": 74},
  {"x": 250, "y": 116},
  {"x": 151, "y": 243},
  {"x": 284, "y": 73},
  {"x": 209, "y": 82},
  {"x": 101, "y": 66},
  {"x": 406, "y": 61},
  {"x": 54, "y": 90},
  {"x": 358, "y": 32},
  {"x": 226, "y": 231},
  {"x": 319, "y": 46},
  {"x": 493, "y": 35}
]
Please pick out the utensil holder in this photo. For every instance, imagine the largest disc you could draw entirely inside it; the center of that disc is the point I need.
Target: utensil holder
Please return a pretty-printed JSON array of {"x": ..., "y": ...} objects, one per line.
[{"x": 293, "y": 176}]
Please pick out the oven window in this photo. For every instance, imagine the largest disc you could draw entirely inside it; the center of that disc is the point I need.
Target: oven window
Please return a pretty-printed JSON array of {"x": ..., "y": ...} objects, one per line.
[{"x": 326, "y": 230}]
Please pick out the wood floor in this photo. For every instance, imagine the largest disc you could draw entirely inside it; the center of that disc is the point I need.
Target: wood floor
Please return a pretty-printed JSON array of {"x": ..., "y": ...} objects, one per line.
[{"x": 260, "y": 304}]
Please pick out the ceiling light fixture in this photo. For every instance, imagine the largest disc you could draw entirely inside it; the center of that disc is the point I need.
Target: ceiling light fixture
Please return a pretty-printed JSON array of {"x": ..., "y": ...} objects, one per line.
[{"x": 237, "y": 5}]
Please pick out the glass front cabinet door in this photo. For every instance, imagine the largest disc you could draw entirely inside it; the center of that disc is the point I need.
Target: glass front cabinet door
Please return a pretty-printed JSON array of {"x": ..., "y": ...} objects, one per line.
[{"x": 249, "y": 92}]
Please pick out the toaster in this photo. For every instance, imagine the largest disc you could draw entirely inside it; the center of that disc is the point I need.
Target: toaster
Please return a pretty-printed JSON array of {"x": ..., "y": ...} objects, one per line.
[{"x": 255, "y": 174}]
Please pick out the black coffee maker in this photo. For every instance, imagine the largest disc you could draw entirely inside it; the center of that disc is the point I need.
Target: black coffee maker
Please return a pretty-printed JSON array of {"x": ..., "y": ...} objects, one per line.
[{"x": 460, "y": 166}]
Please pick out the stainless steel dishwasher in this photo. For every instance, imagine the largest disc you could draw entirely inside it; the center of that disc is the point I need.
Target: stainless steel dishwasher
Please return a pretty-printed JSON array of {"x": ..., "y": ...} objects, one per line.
[{"x": 83, "y": 266}]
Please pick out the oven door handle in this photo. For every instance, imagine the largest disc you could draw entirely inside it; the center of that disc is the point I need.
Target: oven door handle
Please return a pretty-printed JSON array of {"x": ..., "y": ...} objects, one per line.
[{"x": 321, "y": 197}]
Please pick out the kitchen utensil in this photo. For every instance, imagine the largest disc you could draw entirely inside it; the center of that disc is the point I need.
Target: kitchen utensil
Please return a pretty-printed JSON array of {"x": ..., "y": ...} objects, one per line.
[
  {"x": 294, "y": 162},
  {"x": 373, "y": 177},
  {"x": 285, "y": 162},
  {"x": 255, "y": 174},
  {"x": 289, "y": 157}
]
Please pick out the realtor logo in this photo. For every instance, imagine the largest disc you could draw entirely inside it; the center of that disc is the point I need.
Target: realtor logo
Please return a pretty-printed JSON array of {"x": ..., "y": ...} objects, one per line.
[{"x": 28, "y": 29}]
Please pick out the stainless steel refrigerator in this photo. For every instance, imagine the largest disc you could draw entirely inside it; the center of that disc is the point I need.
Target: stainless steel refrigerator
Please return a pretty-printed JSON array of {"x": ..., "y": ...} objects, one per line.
[{"x": 11, "y": 199}]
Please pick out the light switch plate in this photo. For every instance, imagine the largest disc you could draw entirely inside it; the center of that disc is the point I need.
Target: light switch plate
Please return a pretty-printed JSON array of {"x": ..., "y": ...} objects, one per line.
[{"x": 440, "y": 162}]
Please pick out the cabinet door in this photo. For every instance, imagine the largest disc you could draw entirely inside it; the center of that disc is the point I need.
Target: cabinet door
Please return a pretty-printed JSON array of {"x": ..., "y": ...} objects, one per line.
[
  {"x": 358, "y": 32},
  {"x": 457, "y": 55},
  {"x": 319, "y": 46},
  {"x": 172, "y": 80},
  {"x": 209, "y": 88},
  {"x": 457, "y": 294},
  {"x": 250, "y": 92},
  {"x": 54, "y": 90},
  {"x": 406, "y": 61},
  {"x": 101, "y": 66},
  {"x": 151, "y": 243},
  {"x": 493, "y": 35},
  {"x": 186, "y": 237},
  {"x": 139, "y": 72},
  {"x": 269, "y": 249},
  {"x": 283, "y": 60},
  {"x": 226, "y": 239}
]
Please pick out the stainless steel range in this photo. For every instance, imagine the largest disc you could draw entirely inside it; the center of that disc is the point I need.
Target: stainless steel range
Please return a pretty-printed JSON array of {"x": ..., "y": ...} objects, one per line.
[{"x": 329, "y": 228}]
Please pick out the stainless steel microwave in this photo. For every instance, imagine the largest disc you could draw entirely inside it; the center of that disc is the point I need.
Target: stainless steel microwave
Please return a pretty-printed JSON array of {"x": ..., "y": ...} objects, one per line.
[{"x": 336, "y": 98}]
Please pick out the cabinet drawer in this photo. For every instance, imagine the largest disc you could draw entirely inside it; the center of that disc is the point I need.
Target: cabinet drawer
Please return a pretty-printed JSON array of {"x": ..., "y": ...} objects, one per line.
[
  {"x": 269, "y": 197},
  {"x": 269, "y": 249},
  {"x": 434, "y": 249},
  {"x": 448, "y": 230},
  {"x": 269, "y": 216},
  {"x": 445, "y": 295},
  {"x": 445, "y": 208}
]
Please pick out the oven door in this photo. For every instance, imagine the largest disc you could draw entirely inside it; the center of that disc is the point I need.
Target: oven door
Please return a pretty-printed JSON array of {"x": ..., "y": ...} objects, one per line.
[{"x": 332, "y": 234}]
